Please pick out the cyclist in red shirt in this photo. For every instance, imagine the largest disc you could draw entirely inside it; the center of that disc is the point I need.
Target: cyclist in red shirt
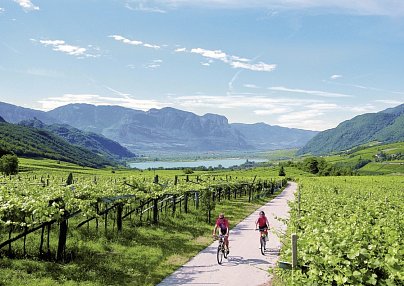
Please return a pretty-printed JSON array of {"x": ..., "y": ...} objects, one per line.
[
  {"x": 262, "y": 223},
  {"x": 223, "y": 224}
]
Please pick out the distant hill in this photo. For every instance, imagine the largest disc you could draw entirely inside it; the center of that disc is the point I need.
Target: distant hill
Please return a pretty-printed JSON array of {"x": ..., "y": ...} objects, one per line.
[
  {"x": 166, "y": 129},
  {"x": 96, "y": 143},
  {"x": 266, "y": 137},
  {"x": 14, "y": 114},
  {"x": 36, "y": 143},
  {"x": 386, "y": 126}
]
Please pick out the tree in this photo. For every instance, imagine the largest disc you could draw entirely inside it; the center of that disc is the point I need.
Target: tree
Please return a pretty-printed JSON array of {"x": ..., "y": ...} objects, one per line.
[
  {"x": 9, "y": 164},
  {"x": 188, "y": 171},
  {"x": 282, "y": 172},
  {"x": 311, "y": 165}
]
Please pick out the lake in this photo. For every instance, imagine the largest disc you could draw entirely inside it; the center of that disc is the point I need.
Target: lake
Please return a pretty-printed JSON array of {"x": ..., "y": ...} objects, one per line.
[{"x": 182, "y": 164}]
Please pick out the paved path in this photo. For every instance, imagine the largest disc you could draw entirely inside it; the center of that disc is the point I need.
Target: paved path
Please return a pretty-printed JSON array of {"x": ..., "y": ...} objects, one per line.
[{"x": 245, "y": 265}]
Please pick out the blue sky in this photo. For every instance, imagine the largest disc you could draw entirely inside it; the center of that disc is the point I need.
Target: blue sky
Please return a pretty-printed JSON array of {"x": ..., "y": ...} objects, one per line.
[{"x": 296, "y": 63}]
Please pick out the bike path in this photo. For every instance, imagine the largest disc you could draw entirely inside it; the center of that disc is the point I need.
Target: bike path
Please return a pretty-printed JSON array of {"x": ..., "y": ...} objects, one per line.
[{"x": 245, "y": 264}]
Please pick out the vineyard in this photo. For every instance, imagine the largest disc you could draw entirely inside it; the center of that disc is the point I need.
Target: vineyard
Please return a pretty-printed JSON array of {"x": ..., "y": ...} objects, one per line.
[
  {"x": 47, "y": 217},
  {"x": 350, "y": 232}
]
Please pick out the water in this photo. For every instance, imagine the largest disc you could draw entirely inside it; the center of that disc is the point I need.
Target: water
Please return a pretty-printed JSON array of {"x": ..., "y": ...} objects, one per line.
[{"x": 181, "y": 164}]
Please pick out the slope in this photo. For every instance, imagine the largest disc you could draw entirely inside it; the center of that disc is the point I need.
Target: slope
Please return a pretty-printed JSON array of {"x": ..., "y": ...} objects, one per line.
[
  {"x": 36, "y": 143},
  {"x": 94, "y": 142},
  {"x": 386, "y": 126}
]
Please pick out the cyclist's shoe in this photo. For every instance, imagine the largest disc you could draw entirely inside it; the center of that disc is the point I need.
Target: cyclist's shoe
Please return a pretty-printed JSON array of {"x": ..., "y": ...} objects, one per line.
[{"x": 227, "y": 251}]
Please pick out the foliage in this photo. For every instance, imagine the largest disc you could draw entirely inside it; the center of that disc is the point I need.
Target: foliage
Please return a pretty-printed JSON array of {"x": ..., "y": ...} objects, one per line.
[
  {"x": 36, "y": 143},
  {"x": 94, "y": 142},
  {"x": 9, "y": 164},
  {"x": 350, "y": 231},
  {"x": 385, "y": 126},
  {"x": 282, "y": 172},
  {"x": 188, "y": 171}
]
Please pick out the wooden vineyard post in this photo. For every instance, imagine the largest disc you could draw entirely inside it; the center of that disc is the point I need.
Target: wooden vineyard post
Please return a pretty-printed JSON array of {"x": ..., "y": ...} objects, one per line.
[
  {"x": 196, "y": 200},
  {"x": 174, "y": 202},
  {"x": 186, "y": 202},
  {"x": 63, "y": 227},
  {"x": 119, "y": 210},
  {"x": 294, "y": 250},
  {"x": 155, "y": 210}
]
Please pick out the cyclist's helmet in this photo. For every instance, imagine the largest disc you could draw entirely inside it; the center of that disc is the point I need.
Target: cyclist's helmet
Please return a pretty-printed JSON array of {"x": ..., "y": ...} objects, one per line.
[{"x": 262, "y": 213}]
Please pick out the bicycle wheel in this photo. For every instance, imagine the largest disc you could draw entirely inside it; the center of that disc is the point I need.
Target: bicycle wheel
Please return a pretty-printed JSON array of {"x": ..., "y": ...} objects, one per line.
[
  {"x": 219, "y": 254},
  {"x": 224, "y": 252},
  {"x": 262, "y": 241}
]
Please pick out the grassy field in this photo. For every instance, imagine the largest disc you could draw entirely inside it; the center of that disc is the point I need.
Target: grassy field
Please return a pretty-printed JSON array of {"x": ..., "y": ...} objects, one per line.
[{"x": 142, "y": 254}]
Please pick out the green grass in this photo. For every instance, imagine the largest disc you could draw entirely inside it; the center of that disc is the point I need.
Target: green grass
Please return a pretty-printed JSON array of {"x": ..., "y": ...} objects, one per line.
[{"x": 139, "y": 255}]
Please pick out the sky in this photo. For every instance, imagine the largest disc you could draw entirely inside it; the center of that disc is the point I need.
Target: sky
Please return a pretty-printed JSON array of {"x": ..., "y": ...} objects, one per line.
[{"x": 308, "y": 64}]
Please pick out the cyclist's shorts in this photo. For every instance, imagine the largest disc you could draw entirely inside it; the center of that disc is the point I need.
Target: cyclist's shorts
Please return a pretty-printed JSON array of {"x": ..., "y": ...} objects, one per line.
[
  {"x": 223, "y": 231},
  {"x": 262, "y": 228}
]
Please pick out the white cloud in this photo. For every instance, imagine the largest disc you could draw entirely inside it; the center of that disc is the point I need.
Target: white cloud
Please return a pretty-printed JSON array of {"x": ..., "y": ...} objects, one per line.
[
  {"x": 27, "y": 5},
  {"x": 154, "y": 64},
  {"x": 270, "y": 111},
  {"x": 126, "y": 41},
  {"x": 61, "y": 46},
  {"x": 212, "y": 54},
  {"x": 240, "y": 101},
  {"x": 233, "y": 61},
  {"x": 143, "y": 6},
  {"x": 390, "y": 101},
  {"x": 335, "y": 76},
  {"x": 2, "y": 10},
  {"x": 124, "y": 100},
  {"x": 310, "y": 92},
  {"x": 254, "y": 67},
  {"x": 323, "y": 106},
  {"x": 133, "y": 42},
  {"x": 180, "y": 50},
  {"x": 247, "y": 85},
  {"x": 205, "y": 64}
]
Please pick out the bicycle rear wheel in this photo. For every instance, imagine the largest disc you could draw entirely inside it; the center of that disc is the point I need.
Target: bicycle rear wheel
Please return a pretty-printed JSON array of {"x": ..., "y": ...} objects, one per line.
[
  {"x": 219, "y": 254},
  {"x": 263, "y": 242}
]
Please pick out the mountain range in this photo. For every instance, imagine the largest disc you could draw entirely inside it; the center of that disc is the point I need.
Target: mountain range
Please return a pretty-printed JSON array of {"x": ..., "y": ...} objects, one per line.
[
  {"x": 166, "y": 129},
  {"x": 386, "y": 126},
  {"x": 103, "y": 129}
]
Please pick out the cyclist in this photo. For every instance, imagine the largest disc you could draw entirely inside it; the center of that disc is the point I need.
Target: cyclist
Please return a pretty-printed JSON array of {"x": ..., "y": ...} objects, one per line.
[
  {"x": 262, "y": 223},
  {"x": 223, "y": 224}
]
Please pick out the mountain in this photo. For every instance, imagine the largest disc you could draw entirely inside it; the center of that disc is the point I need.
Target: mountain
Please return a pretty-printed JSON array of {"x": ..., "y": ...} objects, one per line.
[
  {"x": 386, "y": 126},
  {"x": 94, "y": 142},
  {"x": 157, "y": 129},
  {"x": 37, "y": 143},
  {"x": 2, "y": 120},
  {"x": 166, "y": 129},
  {"x": 266, "y": 137},
  {"x": 14, "y": 114}
]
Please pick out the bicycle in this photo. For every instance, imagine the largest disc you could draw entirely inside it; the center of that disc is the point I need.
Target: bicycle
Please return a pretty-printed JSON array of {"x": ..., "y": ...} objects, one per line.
[
  {"x": 263, "y": 239},
  {"x": 221, "y": 249}
]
